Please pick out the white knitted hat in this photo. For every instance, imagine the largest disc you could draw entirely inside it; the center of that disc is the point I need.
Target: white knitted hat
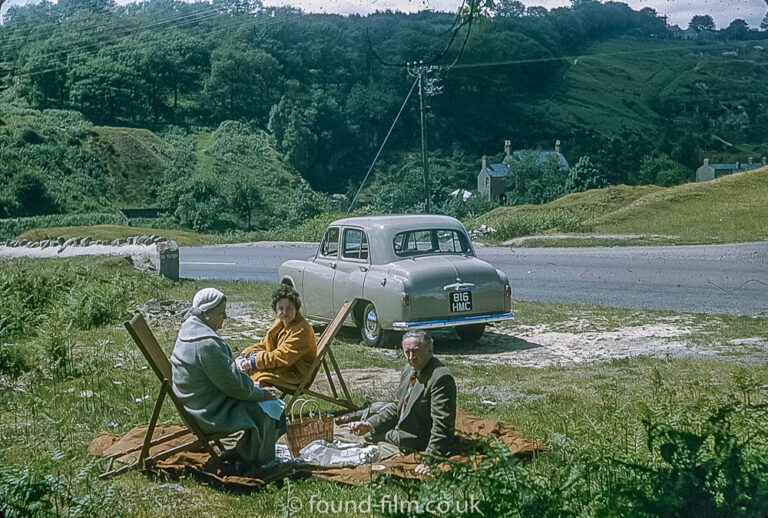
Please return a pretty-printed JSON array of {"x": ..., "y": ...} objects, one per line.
[{"x": 207, "y": 298}]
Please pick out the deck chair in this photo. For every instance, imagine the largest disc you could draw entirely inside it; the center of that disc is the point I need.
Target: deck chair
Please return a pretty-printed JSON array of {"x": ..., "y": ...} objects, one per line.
[
  {"x": 141, "y": 333},
  {"x": 293, "y": 392}
]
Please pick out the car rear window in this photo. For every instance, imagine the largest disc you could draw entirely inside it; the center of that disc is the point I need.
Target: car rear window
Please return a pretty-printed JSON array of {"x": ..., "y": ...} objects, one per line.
[{"x": 430, "y": 242}]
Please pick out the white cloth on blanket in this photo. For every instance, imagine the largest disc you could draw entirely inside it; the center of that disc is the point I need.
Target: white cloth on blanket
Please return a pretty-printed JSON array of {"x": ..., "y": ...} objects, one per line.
[{"x": 339, "y": 454}]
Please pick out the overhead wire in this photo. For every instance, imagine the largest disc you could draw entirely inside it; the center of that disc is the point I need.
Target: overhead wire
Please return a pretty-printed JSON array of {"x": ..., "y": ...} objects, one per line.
[
  {"x": 105, "y": 37},
  {"x": 248, "y": 23},
  {"x": 118, "y": 26},
  {"x": 376, "y": 158}
]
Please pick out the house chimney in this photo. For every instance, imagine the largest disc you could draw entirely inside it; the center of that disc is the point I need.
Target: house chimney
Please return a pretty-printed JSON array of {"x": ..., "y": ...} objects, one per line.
[
  {"x": 557, "y": 146},
  {"x": 706, "y": 161},
  {"x": 750, "y": 160},
  {"x": 484, "y": 163},
  {"x": 507, "y": 146},
  {"x": 765, "y": 161}
]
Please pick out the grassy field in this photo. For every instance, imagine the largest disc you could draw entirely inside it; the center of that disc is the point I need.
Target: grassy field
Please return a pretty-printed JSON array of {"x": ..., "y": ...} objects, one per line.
[
  {"x": 655, "y": 434},
  {"x": 728, "y": 209}
]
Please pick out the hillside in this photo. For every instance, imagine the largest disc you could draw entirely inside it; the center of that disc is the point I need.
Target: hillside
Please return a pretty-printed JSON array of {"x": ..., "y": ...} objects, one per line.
[
  {"x": 687, "y": 97},
  {"x": 134, "y": 158},
  {"x": 728, "y": 209}
]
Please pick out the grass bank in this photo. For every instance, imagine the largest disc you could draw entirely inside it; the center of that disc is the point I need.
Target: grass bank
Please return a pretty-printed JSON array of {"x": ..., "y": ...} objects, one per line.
[
  {"x": 725, "y": 210},
  {"x": 634, "y": 435}
]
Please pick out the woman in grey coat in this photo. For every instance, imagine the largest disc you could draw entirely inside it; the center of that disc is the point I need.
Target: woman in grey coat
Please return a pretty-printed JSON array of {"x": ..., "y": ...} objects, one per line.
[{"x": 212, "y": 389}]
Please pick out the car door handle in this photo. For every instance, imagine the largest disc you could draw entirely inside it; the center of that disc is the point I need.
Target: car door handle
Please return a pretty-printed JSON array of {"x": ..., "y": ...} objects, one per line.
[
  {"x": 332, "y": 265},
  {"x": 363, "y": 268}
]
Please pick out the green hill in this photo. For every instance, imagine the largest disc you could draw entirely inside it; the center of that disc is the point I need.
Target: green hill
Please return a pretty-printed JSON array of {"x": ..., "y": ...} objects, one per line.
[
  {"x": 728, "y": 209},
  {"x": 695, "y": 97},
  {"x": 133, "y": 158}
]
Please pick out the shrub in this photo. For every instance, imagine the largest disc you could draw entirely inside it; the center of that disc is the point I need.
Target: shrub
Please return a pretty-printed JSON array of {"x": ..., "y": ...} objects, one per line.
[
  {"x": 12, "y": 361},
  {"x": 25, "y": 493},
  {"x": 529, "y": 223}
]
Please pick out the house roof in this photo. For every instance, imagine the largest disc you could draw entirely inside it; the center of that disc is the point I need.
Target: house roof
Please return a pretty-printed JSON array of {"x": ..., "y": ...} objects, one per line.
[
  {"x": 497, "y": 170},
  {"x": 735, "y": 167},
  {"x": 543, "y": 156}
]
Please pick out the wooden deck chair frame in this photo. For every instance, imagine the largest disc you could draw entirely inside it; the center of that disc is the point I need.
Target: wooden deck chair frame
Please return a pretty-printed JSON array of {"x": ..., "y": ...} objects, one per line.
[
  {"x": 324, "y": 356},
  {"x": 141, "y": 333}
]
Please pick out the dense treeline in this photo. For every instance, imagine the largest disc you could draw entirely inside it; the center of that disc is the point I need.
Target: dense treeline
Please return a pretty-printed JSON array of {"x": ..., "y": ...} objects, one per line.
[{"x": 321, "y": 89}]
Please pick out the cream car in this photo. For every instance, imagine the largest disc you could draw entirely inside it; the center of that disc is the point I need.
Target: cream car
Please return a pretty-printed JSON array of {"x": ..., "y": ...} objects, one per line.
[{"x": 411, "y": 272}]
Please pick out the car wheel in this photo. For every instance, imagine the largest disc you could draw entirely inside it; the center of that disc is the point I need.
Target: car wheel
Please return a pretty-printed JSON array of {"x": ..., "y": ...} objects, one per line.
[
  {"x": 370, "y": 329},
  {"x": 470, "y": 332}
]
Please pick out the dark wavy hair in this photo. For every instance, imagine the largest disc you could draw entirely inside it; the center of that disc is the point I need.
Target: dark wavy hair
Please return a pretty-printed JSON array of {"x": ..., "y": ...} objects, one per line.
[{"x": 286, "y": 292}]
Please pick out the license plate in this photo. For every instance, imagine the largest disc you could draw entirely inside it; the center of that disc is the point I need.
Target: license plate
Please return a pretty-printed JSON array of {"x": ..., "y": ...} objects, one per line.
[{"x": 460, "y": 301}]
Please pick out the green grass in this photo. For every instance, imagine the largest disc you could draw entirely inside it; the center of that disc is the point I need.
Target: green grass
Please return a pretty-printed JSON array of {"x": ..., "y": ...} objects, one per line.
[
  {"x": 591, "y": 414},
  {"x": 134, "y": 158},
  {"x": 725, "y": 210}
]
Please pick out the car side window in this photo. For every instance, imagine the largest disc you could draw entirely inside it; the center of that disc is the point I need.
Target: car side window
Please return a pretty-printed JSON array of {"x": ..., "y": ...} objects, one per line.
[
  {"x": 330, "y": 244},
  {"x": 355, "y": 244}
]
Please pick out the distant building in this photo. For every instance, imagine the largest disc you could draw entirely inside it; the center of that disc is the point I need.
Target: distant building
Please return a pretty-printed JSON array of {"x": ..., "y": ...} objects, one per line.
[
  {"x": 492, "y": 178},
  {"x": 492, "y": 181},
  {"x": 675, "y": 32},
  {"x": 711, "y": 171}
]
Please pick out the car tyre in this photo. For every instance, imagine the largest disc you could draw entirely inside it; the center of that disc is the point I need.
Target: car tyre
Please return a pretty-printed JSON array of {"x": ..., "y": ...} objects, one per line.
[
  {"x": 370, "y": 329},
  {"x": 470, "y": 332}
]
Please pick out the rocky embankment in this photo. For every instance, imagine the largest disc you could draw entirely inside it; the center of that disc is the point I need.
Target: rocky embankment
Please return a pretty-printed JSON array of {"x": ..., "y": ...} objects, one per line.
[
  {"x": 145, "y": 251},
  {"x": 61, "y": 244}
]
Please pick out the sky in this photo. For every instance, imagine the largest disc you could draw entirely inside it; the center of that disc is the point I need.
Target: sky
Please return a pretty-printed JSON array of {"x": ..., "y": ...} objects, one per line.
[{"x": 679, "y": 12}]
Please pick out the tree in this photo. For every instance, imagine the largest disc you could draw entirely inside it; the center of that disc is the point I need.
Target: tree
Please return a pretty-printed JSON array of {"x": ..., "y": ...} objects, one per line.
[
  {"x": 702, "y": 22},
  {"x": 662, "y": 170},
  {"x": 737, "y": 30},
  {"x": 584, "y": 176},
  {"x": 242, "y": 82},
  {"x": 764, "y": 23},
  {"x": 243, "y": 194},
  {"x": 199, "y": 203},
  {"x": 508, "y": 9},
  {"x": 29, "y": 196}
]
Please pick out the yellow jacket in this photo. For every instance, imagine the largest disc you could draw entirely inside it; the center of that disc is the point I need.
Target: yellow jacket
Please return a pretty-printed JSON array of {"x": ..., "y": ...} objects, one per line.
[{"x": 285, "y": 354}]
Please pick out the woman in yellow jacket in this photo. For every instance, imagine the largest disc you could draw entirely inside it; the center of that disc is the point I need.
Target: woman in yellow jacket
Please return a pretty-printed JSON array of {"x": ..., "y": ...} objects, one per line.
[{"x": 286, "y": 353}]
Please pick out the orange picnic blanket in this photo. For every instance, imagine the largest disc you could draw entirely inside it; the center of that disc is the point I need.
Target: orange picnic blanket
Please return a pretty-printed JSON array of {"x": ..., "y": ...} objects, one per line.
[{"x": 469, "y": 429}]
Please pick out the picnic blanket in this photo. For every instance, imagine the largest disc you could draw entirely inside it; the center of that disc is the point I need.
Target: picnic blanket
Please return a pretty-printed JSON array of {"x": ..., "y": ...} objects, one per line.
[{"x": 469, "y": 429}]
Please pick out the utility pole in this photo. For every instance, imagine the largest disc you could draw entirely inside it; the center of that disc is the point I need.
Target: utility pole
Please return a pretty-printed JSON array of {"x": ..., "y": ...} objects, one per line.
[{"x": 427, "y": 87}]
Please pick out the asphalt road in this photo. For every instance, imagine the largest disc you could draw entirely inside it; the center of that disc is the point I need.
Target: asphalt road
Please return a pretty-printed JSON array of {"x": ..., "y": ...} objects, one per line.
[{"x": 728, "y": 279}]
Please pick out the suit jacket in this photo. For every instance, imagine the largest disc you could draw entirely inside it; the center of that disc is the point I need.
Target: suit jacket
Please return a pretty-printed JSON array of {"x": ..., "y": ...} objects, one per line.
[
  {"x": 429, "y": 418},
  {"x": 285, "y": 354}
]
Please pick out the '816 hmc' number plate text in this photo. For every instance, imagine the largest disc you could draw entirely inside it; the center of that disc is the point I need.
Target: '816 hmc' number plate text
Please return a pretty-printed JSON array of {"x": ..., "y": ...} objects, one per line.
[{"x": 460, "y": 301}]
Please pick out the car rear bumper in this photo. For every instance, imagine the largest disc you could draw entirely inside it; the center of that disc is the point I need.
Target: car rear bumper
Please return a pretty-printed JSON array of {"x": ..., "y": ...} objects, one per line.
[{"x": 451, "y": 322}]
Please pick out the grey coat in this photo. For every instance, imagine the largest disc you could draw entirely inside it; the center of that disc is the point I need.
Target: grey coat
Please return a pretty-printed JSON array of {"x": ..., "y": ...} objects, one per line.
[{"x": 208, "y": 383}]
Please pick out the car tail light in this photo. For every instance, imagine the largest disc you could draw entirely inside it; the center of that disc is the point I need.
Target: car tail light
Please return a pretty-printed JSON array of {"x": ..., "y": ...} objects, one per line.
[
  {"x": 406, "y": 299},
  {"x": 508, "y": 291}
]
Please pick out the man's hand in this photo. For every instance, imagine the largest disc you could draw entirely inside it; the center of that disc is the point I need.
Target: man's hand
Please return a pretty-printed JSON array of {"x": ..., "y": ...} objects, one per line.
[
  {"x": 422, "y": 469},
  {"x": 360, "y": 427}
]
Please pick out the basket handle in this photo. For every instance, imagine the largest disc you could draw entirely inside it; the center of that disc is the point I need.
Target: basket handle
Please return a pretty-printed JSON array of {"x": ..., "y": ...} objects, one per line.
[{"x": 301, "y": 408}]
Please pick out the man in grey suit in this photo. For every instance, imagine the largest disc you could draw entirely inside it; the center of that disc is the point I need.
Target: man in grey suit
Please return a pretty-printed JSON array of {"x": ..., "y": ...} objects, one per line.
[{"x": 424, "y": 416}]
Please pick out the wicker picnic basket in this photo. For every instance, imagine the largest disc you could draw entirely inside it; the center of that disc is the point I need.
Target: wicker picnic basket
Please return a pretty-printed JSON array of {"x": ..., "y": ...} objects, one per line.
[{"x": 302, "y": 431}]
